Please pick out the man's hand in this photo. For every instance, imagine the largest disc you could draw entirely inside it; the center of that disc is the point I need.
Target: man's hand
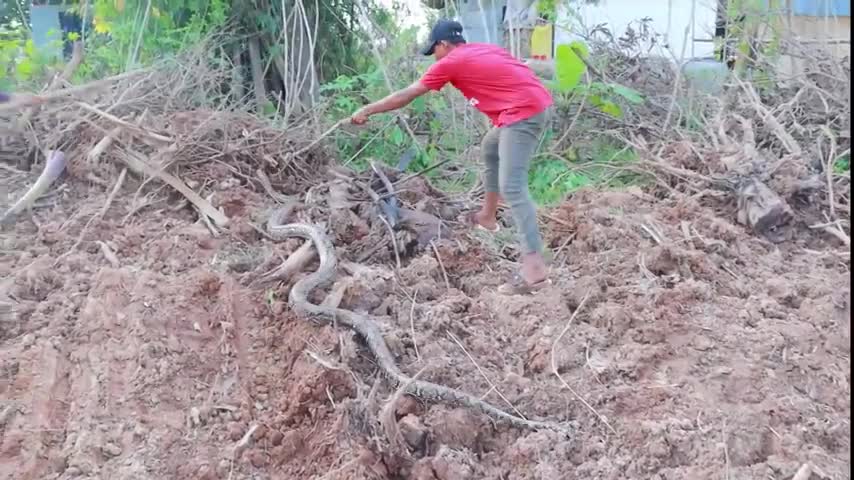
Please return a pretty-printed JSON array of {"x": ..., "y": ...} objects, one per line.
[
  {"x": 360, "y": 117},
  {"x": 32, "y": 100},
  {"x": 26, "y": 99},
  {"x": 398, "y": 99}
]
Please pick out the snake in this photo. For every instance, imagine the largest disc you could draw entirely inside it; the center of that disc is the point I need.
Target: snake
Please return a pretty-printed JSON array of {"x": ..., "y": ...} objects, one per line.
[
  {"x": 53, "y": 168},
  {"x": 365, "y": 327}
]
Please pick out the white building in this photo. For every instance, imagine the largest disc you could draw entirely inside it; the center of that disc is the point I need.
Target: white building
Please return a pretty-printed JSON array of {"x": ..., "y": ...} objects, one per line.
[{"x": 687, "y": 26}]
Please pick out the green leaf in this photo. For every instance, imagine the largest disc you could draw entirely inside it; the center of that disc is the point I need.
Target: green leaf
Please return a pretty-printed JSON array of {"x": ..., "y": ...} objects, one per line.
[
  {"x": 629, "y": 94},
  {"x": 612, "y": 109},
  {"x": 419, "y": 105},
  {"x": 569, "y": 67},
  {"x": 436, "y": 102},
  {"x": 842, "y": 164},
  {"x": 396, "y": 136},
  {"x": 606, "y": 106},
  {"x": 24, "y": 69},
  {"x": 436, "y": 126}
]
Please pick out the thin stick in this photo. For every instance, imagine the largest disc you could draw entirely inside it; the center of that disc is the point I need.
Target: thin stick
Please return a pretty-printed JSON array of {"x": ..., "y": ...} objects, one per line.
[
  {"x": 422, "y": 172},
  {"x": 383, "y": 178},
  {"x": 369, "y": 142},
  {"x": 565, "y": 243},
  {"x": 122, "y": 123},
  {"x": 441, "y": 265},
  {"x": 245, "y": 441},
  {"x": 110, "y": 197},
  {"x": 412, "y": 325},
  {"x": 485, "y": 377},
  {"x": 320, "y": 138},
  {"x": 393, "y": 240},
  {"x": 678, "y": 82},
  {"x": 557, "y": 374}
]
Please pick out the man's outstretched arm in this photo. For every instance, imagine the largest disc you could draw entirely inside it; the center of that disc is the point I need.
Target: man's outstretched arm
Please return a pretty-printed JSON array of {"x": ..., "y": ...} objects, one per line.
[
  {"x": 20, "y": 100},
  {"x": 396, "y": 100}
]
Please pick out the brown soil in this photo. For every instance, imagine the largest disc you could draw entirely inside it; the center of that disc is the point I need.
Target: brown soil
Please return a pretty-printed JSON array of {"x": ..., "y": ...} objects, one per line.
[{"x": 710, "y": 353}]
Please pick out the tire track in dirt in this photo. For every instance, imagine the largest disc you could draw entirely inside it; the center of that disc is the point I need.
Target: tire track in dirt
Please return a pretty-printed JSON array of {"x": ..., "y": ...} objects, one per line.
[{"x": 40, "y": 379}]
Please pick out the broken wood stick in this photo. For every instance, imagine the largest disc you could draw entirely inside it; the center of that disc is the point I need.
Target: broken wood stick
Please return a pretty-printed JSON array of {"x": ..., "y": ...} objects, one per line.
[
  {"x": 70, "y": 67},
  {"x": 808, "y": 471},
  {"x": 245, "y": 441},
  {"x": 294, "y": 264},
  {"x": 102, "y": 145},
  {"x": 136, "y": 162},
  {"x": 388, "y": 203},
  {"x": 336, "y": 293},
  {"x": 53, "y": 168},
  {"x": 119, "y": 122},
  {"x": 109, "y": 255}
]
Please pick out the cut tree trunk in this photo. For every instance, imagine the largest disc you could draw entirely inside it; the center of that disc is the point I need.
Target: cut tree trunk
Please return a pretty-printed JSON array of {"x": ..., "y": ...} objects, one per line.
[
  {"x": 257, "y": 74},
  {"x": 763, "y": 210},
  {"x": 237, "y": 75}
]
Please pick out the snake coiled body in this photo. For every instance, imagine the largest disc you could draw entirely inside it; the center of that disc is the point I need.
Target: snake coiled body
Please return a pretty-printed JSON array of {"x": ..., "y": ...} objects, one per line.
[{"x": 365, "y": 327}]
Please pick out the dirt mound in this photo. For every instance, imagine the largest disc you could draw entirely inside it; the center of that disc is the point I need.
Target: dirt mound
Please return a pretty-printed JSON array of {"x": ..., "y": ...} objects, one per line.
[{"x": 696, "y": 350}]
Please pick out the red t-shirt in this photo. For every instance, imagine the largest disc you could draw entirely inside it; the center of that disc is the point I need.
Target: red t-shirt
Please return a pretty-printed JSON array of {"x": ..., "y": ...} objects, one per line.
[{"x": 492, "y": 80}]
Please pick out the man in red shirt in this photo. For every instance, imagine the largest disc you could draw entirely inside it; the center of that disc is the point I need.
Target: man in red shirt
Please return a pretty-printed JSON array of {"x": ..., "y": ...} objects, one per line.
[{"x": 509, "y": 93}]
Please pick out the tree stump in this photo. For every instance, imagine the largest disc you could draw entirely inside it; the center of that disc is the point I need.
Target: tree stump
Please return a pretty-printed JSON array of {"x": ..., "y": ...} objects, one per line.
[{"x": 763, "y": 210}]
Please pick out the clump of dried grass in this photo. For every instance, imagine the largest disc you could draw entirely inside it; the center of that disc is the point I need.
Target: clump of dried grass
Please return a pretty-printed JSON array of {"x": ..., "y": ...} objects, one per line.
[
  {"x": 781, "y": 128},
  {"x": 176, "y": 116}
]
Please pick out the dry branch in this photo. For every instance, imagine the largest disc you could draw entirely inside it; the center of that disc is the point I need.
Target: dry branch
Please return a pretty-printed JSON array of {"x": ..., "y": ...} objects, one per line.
[
  {"x": 70, "y": 67},
  {"x": 294, "y": 264},
  {"x": 57, "y": 95},
  {"x": 139, "y": 165}
]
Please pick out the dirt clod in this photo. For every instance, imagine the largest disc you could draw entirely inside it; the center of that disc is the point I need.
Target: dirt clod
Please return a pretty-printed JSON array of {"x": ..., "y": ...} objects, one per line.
[{"x": 413, "y": 431}]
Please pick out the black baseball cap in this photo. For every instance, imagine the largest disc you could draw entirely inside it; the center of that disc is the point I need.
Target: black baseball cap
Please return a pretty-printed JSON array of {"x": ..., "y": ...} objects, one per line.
[{"x": 444, "y": 30}]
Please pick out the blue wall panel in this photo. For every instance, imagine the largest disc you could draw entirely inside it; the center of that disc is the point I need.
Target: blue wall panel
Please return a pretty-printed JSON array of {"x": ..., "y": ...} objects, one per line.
[{"x": 821, "y": 8}]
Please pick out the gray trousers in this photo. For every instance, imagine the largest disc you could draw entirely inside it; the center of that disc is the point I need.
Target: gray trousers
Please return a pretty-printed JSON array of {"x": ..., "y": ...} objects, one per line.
[{"x": 507, "y": 152}]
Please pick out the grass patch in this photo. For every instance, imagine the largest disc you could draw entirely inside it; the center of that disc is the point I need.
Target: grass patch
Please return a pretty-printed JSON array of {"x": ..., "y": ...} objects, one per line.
[
  {"x": 552, "y": 178},
  {"x": 458, "y": 182},
  {"x": 842, "y": 164}
]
